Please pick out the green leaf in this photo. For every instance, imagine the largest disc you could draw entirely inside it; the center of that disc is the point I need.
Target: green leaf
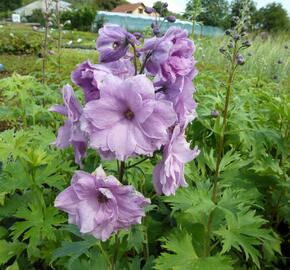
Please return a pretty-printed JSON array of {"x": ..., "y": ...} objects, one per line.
[
  {"x": 73, "y": 250},
  {"x": 183, "y": 256},
  {"x": 244, "y": 232},
  {"x": 10, "y": 249}
]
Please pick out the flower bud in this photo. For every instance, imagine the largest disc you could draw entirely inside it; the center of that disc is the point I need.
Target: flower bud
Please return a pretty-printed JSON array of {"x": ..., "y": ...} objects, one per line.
[
  {"x": 165, "y": 5},
  {"x": 247, "y": 43},
  {"x": 275, "y": 77},
  {"x": 222, "y": 50},
  {"x": 228, "y": 32},
  {"x": 156, "y": 30},
  {"x": 280, "y": 62},
  {"x": 171, "y": 19},
  {"x": 237, "y": 37},
  {"x": 240, "y": 60},
  {"x": 138, "y": 35},
  {"x": 286, "y": 47},
  {"x": 149, "y": 10},
  {"x": 230, "y": 45},
  {"x": 214, "y": 113}
]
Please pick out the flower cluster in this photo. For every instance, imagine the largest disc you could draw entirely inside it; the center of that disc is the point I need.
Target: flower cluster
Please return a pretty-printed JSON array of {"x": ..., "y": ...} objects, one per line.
[{"x": 128, "y": 112}]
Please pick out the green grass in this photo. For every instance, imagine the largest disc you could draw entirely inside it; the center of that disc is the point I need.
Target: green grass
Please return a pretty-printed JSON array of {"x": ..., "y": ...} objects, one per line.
[
  {"x": 32, "y": 64},
  {"x": 262, "y": 61}
]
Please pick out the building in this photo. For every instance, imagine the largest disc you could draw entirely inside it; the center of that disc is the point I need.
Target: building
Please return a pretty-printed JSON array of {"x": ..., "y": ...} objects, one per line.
[
  {"x": 134, "y": 9},
  {"x": 28, "y": 9}
]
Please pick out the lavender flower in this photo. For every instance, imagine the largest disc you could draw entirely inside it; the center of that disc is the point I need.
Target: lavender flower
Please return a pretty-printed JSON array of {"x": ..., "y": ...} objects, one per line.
[
  {"x": 100, "y": 205},
  {"x": 113, "y": 42},
  {"x": 171, "y": 55},
  {"x": 70, "y": 133},
  {"x": 180, "y": 94},
  {"x": 89, "y": 76},
  {"x": 128, "y": 120},
  {"x": 168, "y": 175}
]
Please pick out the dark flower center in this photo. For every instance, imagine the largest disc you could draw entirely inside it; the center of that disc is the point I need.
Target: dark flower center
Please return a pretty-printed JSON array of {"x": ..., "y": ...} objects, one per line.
[
  {"x": 129, "y": 115},
  {"x": 116, "y": 44},
  {"x": 102, "y": 198}
]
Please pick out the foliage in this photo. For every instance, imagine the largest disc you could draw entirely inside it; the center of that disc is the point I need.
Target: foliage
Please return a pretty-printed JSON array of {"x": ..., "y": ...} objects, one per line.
[
  {"x": 36, "y": 17},
  {"x": 109, "y": 4},
  {"x": 81, "y": 19},
  {"x": 160, "y": 8},
  {"x": 213, "y": 12},
  {"x": 273, "y": 18},
  {"x": 250, "y": 218},
  {"x": 20, "y": 43}
]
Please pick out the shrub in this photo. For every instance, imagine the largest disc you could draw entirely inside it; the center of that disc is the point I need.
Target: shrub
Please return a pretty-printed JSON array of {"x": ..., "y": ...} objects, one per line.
[
  {"x": 81, "y": 19},
  {"x": 19, "y": 43}
]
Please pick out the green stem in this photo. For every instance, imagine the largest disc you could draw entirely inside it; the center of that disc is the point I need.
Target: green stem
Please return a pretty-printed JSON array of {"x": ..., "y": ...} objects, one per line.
[
  {"x": 220, "y": 145},
  {"x": 105, "y": 254},
  {"x": 122, "y": 171},
  {"x": 115, "y": 257},
  {"x": 137, "y": 163}
]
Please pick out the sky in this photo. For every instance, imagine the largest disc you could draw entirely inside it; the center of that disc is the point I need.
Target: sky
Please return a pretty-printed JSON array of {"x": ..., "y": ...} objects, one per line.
[{"x": 179, "y": 5}]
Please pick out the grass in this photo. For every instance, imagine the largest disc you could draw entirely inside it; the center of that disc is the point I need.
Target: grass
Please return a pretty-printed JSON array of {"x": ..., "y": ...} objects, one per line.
[
  {"x": 32, "y": 64},
  {"x": 261, "y": 59}
]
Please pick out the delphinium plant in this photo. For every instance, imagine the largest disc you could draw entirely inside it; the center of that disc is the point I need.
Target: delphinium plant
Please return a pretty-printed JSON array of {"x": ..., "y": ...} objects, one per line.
[{"x": 137, "y": 105}]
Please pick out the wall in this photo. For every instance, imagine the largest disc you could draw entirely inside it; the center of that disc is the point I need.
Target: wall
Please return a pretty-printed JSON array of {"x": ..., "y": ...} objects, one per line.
[{"x": 140, "y": 23}]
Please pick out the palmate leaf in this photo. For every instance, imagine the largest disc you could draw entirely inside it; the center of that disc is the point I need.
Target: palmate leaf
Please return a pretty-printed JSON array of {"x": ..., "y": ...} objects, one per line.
[
  {"x": 183, "y": 256},
  {"x": 74, "y": 250},
  {"x": 244, "y": 232},
  {"x": 9, "y": 250},
  {"x": 197, "y": 202},
  {"x": 38, "y": 223}
]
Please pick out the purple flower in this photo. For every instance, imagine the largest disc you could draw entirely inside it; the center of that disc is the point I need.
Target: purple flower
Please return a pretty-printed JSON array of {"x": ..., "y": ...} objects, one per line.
[
  {"x": 168, "y": 175},
  {"x": 171, "y": 55},
  {"x": 171, "y": 19},
  {"x": 180, "y": 94},
  {"x": 100, "y": 205},
  {"x": 70, "y": 133},
  {"x": 113, "y": 42},
  {"x": 127, "y": 120},
  {"x": 89, "y": 76}
]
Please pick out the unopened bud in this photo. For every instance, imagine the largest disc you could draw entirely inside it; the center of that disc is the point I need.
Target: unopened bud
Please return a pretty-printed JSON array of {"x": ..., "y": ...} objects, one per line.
[
  {"x": 171, "y": 19},
  {"x": 215, "y": 113},
  {"x": 240, "y": 60},
  {"x": 149, "y": 10}
]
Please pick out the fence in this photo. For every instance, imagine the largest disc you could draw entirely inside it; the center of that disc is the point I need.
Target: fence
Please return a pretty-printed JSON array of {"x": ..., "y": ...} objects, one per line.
[{"x": 140, "y": 23}]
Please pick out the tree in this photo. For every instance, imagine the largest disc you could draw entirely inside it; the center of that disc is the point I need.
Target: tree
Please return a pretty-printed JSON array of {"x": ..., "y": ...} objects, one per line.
[
  {"x": 109, "y": 4},
  {"x": 273, "y": 18},
  {"x": 193, "y": 9},
  {"x": 213, "y": 12},
  {"x": 160, "y": 8},
  {"x": 9, "y": 5},
  {"x": 237, "y": 7}
]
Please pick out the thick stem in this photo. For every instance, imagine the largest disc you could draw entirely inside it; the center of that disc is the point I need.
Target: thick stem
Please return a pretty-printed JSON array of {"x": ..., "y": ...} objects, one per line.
[
  {"x": 147, "y": 57},
  {"x": 135, "y": 58},
  {"x": 122, "y": 171}
]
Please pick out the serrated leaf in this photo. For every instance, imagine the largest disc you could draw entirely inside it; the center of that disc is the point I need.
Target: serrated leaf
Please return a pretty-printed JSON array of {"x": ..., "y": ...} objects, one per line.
[
  {"x": 9, "y": 250},
  {"x": 183, "y": 256}
]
